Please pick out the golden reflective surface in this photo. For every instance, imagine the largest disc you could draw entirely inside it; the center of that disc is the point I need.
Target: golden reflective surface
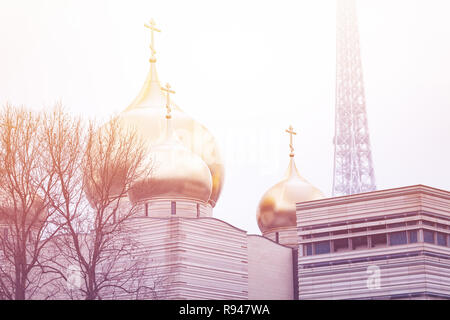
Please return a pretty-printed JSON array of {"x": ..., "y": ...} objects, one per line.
[
  {"x": 277, "y": 206},
  {"x": 177, "y": 173},
  {"x": 146, "y": 114}
]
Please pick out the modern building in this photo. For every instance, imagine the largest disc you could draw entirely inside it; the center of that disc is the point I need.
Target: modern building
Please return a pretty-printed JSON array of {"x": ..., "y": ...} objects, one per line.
[{"x": 388, "y": 244}]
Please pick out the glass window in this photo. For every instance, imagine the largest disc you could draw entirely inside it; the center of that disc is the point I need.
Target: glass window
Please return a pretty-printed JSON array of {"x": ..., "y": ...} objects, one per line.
[
  {"x": 359, "y": 242},
  {"x": 322, "y": 247},
  {"x": 358, "y": 230},
  {"x": 379, "y": 240},
  {"x": 412, "y": 236},
  {"x": 380, "y": 227},
  {"x": 428, "y": 236},
  {"x": 397, "y": 238},
  {"x": 320, "y": 235},
  {"x": 441, "y": 239},
  {"x": 340, "y": 244},
  {"x": 396, "y": 225},
  {"x": 309, "y": 249}
]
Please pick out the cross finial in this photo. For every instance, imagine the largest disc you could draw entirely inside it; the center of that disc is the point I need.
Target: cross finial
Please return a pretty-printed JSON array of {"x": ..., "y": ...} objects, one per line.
[
  {"x": 291, "y": 145},
  {"x": 152, "y": 28},
  {"x": 168, "y": 90}
]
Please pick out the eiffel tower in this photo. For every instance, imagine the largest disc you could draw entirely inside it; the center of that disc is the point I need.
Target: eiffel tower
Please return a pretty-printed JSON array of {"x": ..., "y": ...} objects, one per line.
[{"x": 353, "y": 167}]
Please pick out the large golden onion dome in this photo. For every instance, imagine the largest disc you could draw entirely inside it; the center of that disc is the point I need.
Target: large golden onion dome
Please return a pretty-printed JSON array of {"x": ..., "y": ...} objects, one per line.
[
  {"x": 177, "y": 173},
  {"x": 146, "y": 114},
  {"x": 277, "y": 208}
]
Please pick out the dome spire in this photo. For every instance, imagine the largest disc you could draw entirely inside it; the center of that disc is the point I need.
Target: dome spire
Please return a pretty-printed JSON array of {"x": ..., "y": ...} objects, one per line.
[
  {"x": 169, "y": 128},
  {"x": 169, "y": 90},
  {"x": 291, "y": 140},
  {"x": 151, "y": 95},
  {"x": 152, "y": 28},
  {"x": 292, "y": 169}
]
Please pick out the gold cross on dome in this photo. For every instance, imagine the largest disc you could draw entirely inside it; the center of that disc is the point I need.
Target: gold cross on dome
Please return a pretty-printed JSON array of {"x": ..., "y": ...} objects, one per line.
[
  {"x": 152, "y": 28},
  {"x": 168, "y": 90},
  {"x": 291, "y": 140}
]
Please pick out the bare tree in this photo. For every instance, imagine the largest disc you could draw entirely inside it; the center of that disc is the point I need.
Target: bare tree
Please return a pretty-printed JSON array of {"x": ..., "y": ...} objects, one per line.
[
  {"x": 64, "y": 209},
  {"x": 26, "y": 222},
  {"x": 94, "y": 169}
]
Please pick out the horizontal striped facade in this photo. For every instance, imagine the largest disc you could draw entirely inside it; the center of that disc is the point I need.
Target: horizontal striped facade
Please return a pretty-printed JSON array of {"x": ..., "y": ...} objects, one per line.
[
  {"x": 410, "y": 270},
  {"x": 271, "y": 270},
  {"x": 286, "y": 236},
  {"x": 202, "y": 258},
  {"x": 179, "y": 208},
  {"x": 402, "y": 274}
]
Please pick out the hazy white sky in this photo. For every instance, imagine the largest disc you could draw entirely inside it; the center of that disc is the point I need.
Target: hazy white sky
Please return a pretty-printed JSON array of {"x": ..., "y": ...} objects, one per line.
[{"x": 246, "y": 69}]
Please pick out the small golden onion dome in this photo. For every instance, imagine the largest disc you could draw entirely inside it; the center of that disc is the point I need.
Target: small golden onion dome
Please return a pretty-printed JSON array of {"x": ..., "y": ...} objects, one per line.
[
  {"x": 277, "y": 207},
  {"x": 177, "y": 173},
  {"x": 146, "y": 115}
]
